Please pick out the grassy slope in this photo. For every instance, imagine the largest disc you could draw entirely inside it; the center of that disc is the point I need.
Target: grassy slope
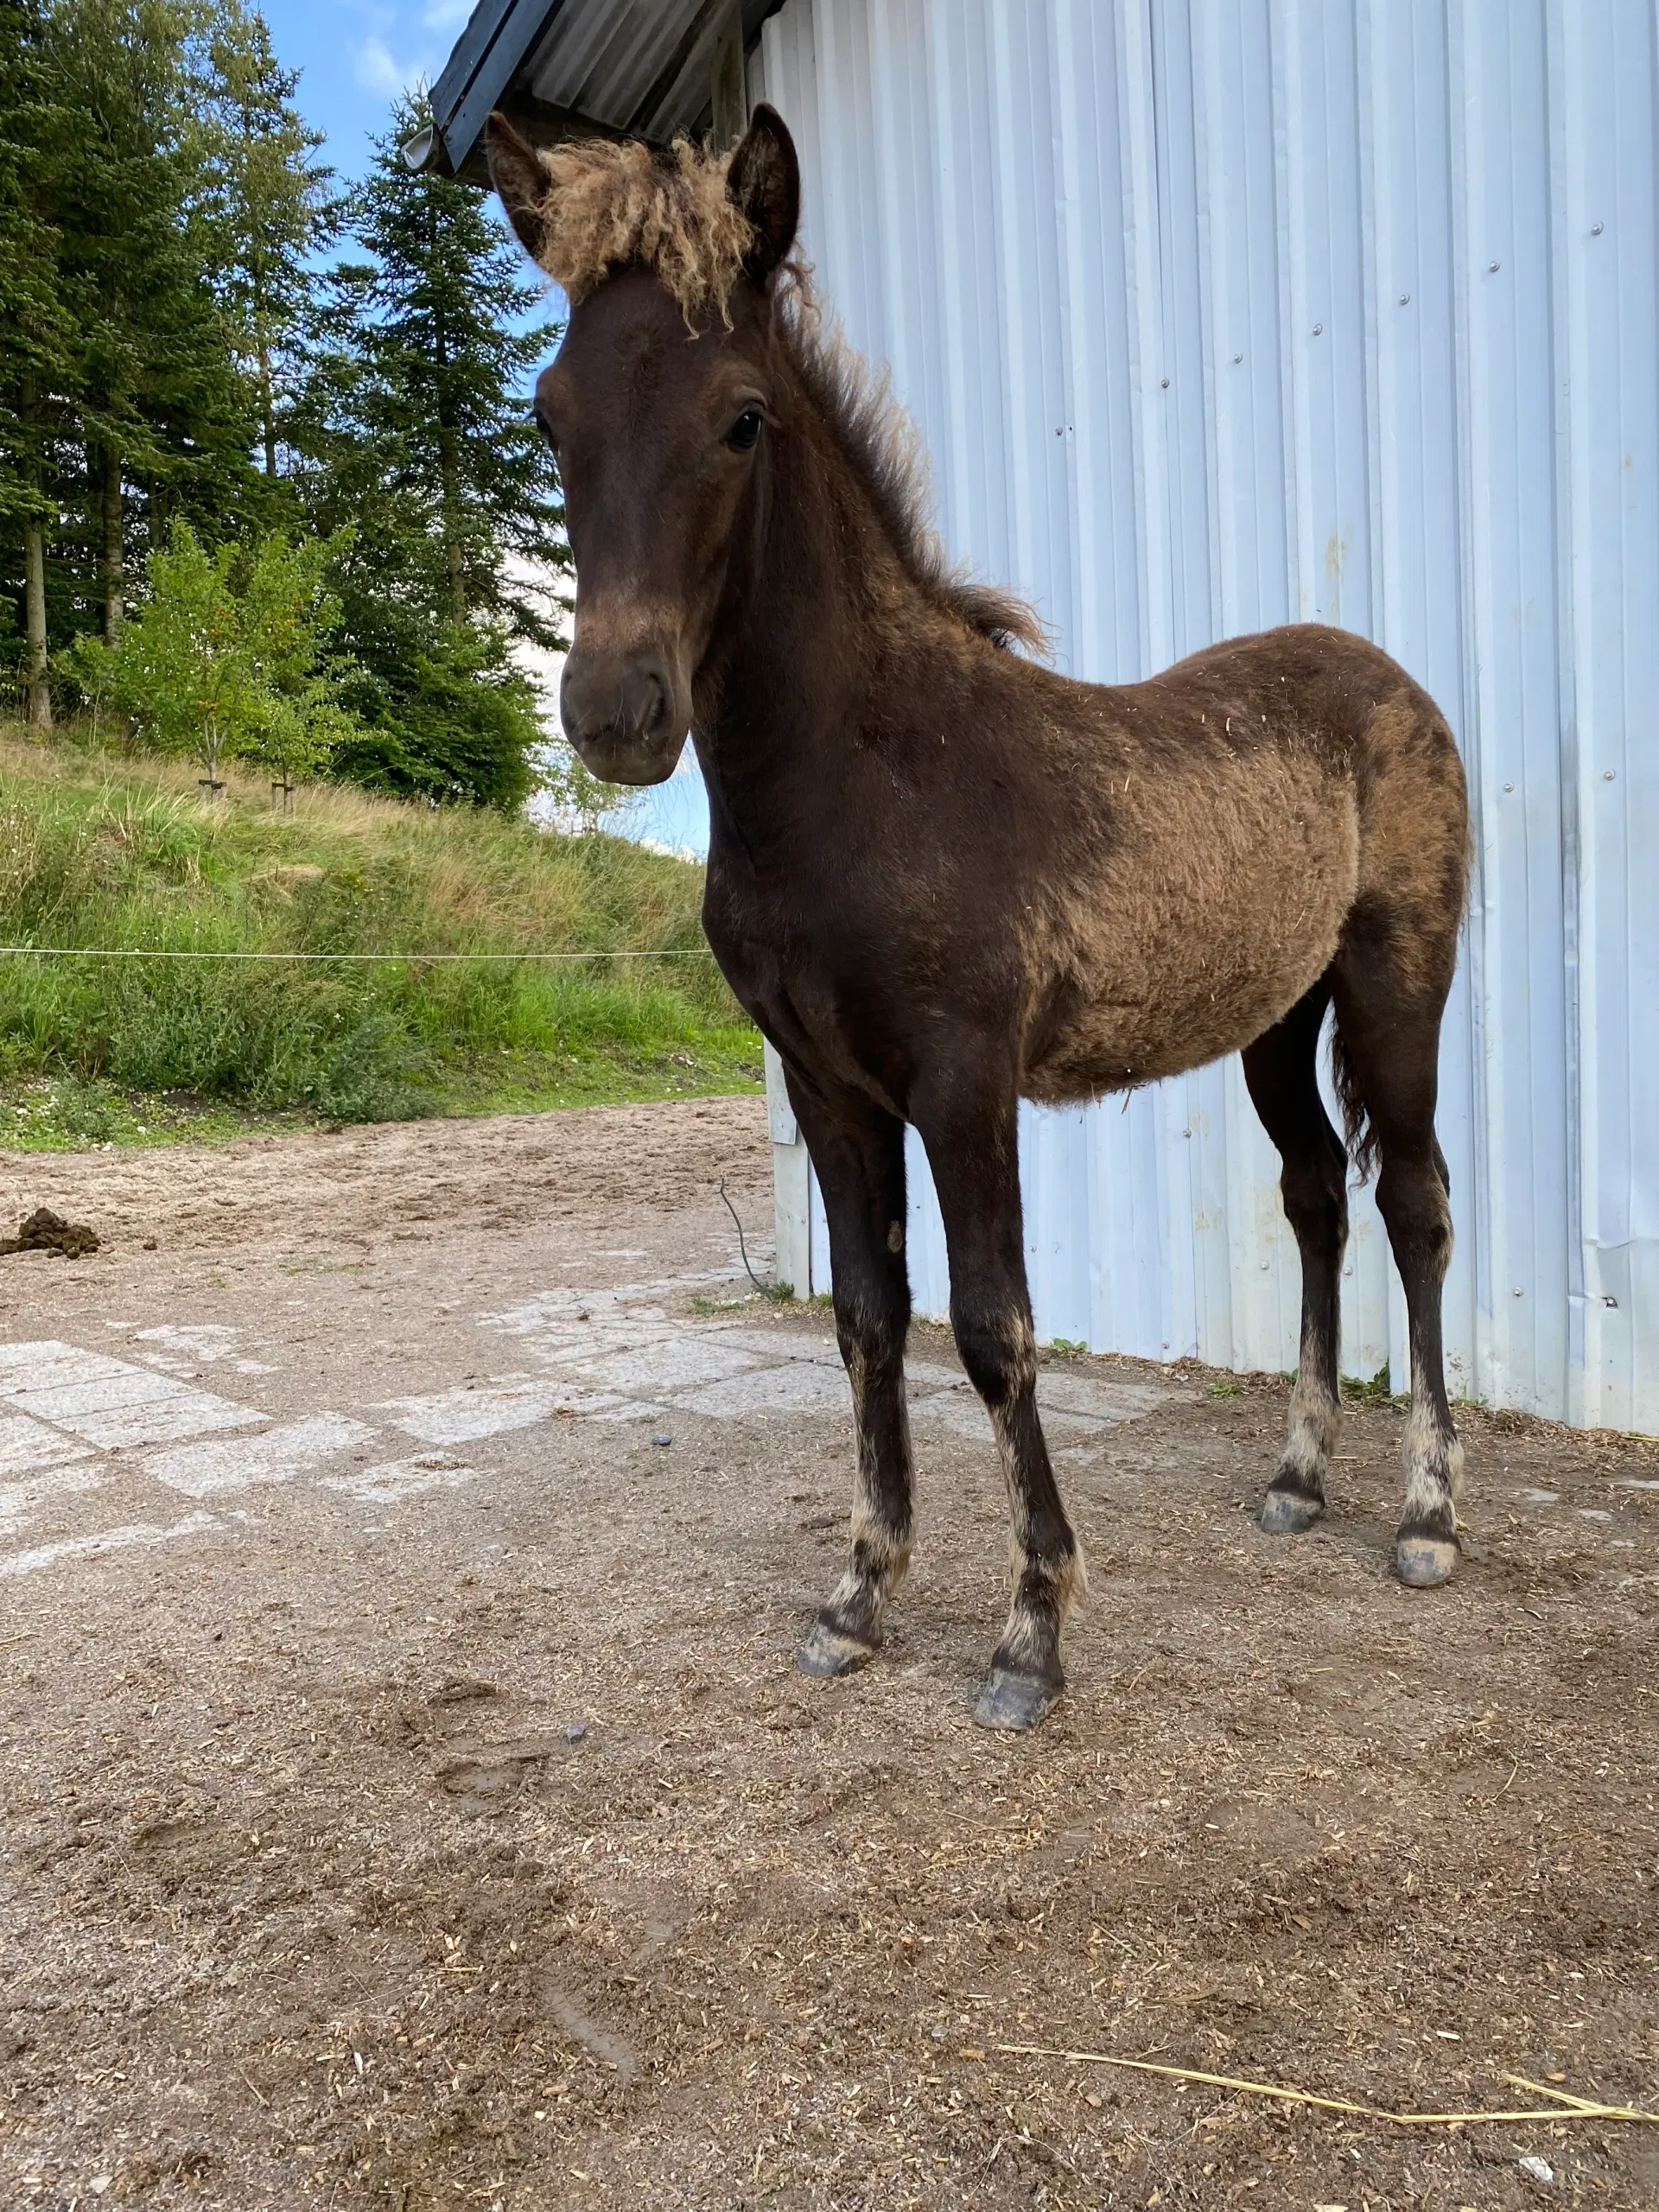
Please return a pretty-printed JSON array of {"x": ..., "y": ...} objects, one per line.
[{"x": 97, "y": 851}]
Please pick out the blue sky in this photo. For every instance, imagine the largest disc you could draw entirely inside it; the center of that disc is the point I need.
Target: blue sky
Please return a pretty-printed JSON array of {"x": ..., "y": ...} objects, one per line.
[{"x": 355, "y": 57}]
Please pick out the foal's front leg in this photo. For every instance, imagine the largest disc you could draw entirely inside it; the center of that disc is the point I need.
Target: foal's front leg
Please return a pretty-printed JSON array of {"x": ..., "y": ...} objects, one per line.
[
  {"x": 974, "y": 1159},
  {"x": 858, "y": 1152}
]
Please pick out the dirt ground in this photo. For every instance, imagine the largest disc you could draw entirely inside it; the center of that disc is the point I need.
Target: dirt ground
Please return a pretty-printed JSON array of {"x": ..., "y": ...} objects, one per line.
[{"x": 408, "y": 1799}]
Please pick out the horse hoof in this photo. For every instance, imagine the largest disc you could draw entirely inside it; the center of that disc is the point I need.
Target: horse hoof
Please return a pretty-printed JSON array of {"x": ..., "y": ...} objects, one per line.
[
  {"x": 1287, "y": 1512},
  {"x": 1422, "y": 1561},
  {"x": 827, "y": 1652},
  {"x": 1014, "y": 1701}
]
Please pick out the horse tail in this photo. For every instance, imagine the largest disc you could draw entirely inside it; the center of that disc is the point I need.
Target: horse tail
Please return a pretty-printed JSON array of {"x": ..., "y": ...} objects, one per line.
[{"x": 1356, "y": 1122}]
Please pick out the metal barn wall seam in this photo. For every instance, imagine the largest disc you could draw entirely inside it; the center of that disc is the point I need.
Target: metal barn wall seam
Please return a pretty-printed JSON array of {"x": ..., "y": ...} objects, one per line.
[{"x": 1217, "y": 314}]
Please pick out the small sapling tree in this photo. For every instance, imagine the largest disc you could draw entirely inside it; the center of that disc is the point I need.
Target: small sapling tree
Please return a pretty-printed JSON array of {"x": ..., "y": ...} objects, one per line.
[
  {"x": 226, "y": 656},
  {"x": 180, "y": 671},
  {"x": 287, "y": 615}
]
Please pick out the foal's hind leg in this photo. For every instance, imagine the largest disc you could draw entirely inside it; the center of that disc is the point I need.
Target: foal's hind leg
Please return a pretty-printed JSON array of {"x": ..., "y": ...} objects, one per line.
[
  {"x": 858, "y": 1152},
  {"x": 1392, "y": 1051},
  {"x": 1279, "y": 1070}
]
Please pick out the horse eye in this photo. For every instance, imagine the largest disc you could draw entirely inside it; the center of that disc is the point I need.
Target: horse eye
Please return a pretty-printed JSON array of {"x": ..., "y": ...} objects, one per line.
[{"x": 745, "y": 432}]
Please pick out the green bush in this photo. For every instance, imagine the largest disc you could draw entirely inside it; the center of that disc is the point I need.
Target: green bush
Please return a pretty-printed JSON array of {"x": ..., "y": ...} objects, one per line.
[{"x": 461, "y": 726}]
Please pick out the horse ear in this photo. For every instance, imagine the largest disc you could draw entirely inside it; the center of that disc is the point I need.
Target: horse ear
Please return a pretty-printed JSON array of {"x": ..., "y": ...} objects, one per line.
[
  {"x": 519, "y": 175},
  {"x": 765, "y": 182}
]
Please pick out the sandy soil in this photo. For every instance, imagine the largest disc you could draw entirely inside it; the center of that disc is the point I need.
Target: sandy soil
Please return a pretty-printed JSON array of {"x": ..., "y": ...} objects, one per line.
[
  {"x": 403, "y": 1180},
  {"x": 408, "y": 1800}
]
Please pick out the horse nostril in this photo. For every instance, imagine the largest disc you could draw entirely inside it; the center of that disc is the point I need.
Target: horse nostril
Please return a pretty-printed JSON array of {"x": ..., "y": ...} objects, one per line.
[
  {"x": 601, "y": 697},
  {"x": 593, "y": 696},
  {"x": 645, "y": 702}
]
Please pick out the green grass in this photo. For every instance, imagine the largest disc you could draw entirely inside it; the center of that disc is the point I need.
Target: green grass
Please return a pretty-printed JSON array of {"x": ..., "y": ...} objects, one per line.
[
  {"x": 100, "y": 851},
  {"x": 1377, "y": 1392}
]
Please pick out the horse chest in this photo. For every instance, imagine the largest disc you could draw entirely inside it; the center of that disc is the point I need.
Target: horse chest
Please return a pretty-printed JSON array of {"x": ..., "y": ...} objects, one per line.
[{"x": 810, "y": 969}]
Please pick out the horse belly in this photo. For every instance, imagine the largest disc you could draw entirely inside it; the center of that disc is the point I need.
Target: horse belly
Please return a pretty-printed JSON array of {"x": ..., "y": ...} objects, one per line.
[{"x": 1217, "y": 912}]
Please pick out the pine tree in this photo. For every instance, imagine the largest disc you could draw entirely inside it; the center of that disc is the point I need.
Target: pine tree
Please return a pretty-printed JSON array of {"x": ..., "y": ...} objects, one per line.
[
  {"x": 433, "y": 362},
  {"x": 416, "y": 427},
  {"x": 163, "y": 410},
  {"x": 267, "y": 204},
  {"x": 35, "y": 335}
]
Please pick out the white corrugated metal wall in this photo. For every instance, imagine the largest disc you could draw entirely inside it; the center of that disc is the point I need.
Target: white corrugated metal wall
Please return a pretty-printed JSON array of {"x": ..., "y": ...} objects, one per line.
[{"x": 1215, "y": 314}]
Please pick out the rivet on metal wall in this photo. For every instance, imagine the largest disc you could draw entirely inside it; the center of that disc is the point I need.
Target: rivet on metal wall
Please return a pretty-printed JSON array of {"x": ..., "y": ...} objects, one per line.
[
  {"x": 1319, "y": 329},
  {"x": 1508, "y": 787},
  {"x": 1607, "y": 775},
  {"x": 1596, "y": 230},
  {"x": 1163, "y": 383},
  {"x": 1492, "y": 265},
  {"x": 1237, "y": 357},
  {"x": 1405, "y": 299}
]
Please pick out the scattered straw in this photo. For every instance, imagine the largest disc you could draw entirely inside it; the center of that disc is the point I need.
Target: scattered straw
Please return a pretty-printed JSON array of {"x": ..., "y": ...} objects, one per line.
[
  {"x": 1566, "y": 2108},
  {"x": 1583, "y": 2108}
]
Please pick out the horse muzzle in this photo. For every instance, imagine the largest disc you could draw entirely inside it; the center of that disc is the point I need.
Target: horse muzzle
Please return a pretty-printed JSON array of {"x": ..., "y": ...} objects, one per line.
[{"x": 623, "y": 713}]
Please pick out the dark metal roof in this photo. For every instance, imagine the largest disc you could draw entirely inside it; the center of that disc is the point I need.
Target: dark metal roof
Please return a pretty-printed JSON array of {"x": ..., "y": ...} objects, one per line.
[{"x": 562, "y": 68}]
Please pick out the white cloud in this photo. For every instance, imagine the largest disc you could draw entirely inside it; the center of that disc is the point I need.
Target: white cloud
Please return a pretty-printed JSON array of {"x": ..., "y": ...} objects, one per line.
[
  {"x": 668, "y": 852},
  {"x": 376, "y": 70},
  {"x": 379, "y": 70}
]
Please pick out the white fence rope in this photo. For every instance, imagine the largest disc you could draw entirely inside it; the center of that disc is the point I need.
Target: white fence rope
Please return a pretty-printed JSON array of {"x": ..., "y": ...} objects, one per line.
[{"x": 129, "y": 952}]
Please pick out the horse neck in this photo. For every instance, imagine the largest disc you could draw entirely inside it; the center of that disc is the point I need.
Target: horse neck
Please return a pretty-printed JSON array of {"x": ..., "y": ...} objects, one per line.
[{"x": 817, "y": 610}]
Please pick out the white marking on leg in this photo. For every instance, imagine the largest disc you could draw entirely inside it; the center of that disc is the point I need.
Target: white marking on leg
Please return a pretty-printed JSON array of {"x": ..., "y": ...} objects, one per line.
[
  {"x": 1311, "y": 1425},
  {"x": 887, "y": 1552},
  {"x": 1432, "y": 1457},
  {"x": 886, "y": 1549},
  {"x": 1018, "y": 1504},
  {"x": 1303, "y": 1456},
  {"x": 1026, "y": 1635},
  {"x": 851, "y": 1594},
  {"x": 1020, "y": 1640}
]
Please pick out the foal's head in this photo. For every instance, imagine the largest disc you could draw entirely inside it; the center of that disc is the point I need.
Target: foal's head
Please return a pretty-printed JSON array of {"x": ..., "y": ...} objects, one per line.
[{"x": 657, "y": 404}]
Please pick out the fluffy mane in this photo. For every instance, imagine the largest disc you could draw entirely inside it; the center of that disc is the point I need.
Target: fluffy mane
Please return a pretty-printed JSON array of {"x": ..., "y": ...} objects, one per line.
[
  {"x": 883, "y": 448},
  {"x": 608, "y": 205}
]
